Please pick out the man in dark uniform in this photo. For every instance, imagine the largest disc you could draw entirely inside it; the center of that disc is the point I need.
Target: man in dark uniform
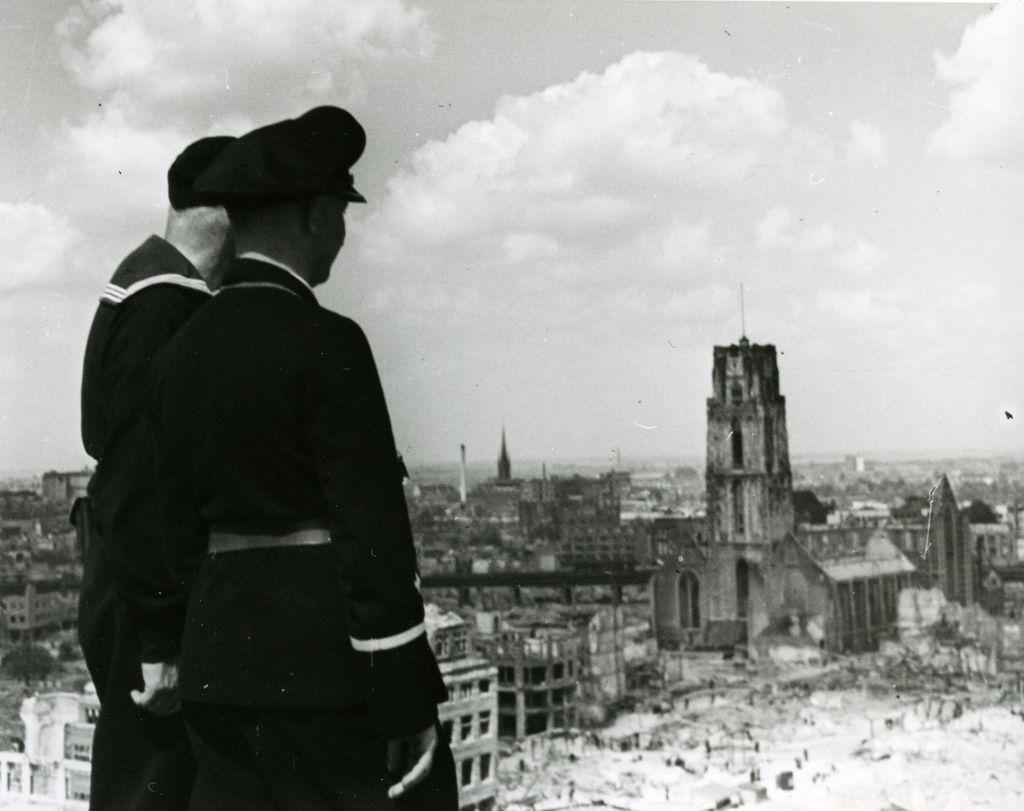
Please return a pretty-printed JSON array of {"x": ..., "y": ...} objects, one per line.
[
  {"x": 141, "y": 757},
  {"x": 306, "y": 676}
]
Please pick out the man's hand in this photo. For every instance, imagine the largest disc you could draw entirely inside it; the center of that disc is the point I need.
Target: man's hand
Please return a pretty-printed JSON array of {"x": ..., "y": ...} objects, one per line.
[
  {"x": 412, "y": 756},
  {"x": 160, "y": 694}
]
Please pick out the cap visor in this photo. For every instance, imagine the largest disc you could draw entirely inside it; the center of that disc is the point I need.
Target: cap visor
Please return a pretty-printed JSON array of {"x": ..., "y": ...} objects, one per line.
[{"x": 353, "y": 196}]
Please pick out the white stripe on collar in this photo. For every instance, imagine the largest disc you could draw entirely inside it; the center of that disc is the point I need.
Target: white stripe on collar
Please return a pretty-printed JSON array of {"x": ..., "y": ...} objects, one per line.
[
  {"x": 262, "y": 257},
  {"x": 115, "y": 294},
  {"x": 244, "y": 285}
]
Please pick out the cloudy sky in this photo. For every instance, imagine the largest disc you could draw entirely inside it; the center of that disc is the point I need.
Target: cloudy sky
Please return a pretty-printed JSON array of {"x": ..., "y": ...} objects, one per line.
[{"x": 565, "y": 198}]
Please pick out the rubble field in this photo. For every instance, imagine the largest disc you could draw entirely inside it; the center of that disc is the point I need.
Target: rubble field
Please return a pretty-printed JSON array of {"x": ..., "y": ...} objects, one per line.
[{"x": 882, "y": 732}]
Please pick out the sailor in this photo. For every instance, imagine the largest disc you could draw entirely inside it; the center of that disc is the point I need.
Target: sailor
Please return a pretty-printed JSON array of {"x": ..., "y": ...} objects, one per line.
[
  {"x": 307, "y": 678},
  {"x": 128, "y": 610}
]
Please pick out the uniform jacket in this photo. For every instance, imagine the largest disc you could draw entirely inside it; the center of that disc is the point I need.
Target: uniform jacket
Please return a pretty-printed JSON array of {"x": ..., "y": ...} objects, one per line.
[
  {"x": 151, "y": 294},
  {"x": 271, "y": 416}
]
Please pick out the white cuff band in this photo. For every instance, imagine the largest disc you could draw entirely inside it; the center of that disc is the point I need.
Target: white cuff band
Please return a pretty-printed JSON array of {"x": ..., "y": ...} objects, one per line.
[{"x": 388, "y": 642}]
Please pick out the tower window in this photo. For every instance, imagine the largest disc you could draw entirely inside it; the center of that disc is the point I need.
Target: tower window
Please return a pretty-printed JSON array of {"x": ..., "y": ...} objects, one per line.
[
  {"x": 738, "y": 508},
  {"x": 737, "y": 393},
  {"x": 736, "y": 442}
]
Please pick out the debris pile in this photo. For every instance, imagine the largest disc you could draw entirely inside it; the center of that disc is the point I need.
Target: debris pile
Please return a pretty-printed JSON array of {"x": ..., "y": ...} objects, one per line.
[{"x": 881, "y": 730}]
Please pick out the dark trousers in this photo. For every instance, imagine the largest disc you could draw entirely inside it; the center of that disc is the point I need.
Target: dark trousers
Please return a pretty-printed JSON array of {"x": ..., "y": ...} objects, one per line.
[
  {"x": 139, "y": 762},
  {"x": 291, "y": 759}
]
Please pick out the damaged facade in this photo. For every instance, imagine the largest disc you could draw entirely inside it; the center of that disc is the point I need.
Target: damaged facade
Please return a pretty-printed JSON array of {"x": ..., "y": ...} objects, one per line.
[
  {"x": 469, "y": 716},
  {"x": 756, "y": 575},
  {"x": 939, "y": 544},
  {"x": 560, "y": 667},
  {"x": 53, "y": 768},
  {"x": 840, "y": 592},
  {"x": 538, "y": 668}
]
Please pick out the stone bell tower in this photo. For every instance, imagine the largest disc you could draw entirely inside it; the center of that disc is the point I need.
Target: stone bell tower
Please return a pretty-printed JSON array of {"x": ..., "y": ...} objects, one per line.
[
  {"x": 749, "y": 483},
  {"x": 715, "y": 594},
  {"x": 749, "y": 486}
]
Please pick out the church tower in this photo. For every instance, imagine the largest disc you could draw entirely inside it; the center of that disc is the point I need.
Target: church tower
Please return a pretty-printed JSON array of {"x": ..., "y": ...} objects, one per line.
[
  {"x": 718, "y": 595},
  {"x": 749, "y": 483},
  {"x": 504, "y": 465}
]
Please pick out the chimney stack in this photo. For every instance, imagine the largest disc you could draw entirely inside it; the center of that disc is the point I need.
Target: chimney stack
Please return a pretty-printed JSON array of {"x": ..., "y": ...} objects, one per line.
[{"x": 462, "y": 477}]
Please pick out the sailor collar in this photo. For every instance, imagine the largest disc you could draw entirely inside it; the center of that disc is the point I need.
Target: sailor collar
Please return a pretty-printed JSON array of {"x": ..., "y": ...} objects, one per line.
[
  {"x": 253, "y": 270},
  {"x": 155, "y": 261}
]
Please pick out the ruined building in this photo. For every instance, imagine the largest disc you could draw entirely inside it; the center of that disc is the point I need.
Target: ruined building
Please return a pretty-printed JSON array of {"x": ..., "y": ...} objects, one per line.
[
  {"x": 749, "y": 484},
  {"x": 617, "y": 650},
  {"x": 717, "y": 590},
  {"x": 939, "y": 544},
  {"x": 538, "y": 670},
  {"x": 580, "y": 517},
  {"x": 837, "y": 588},
  {"x": 65, "y": 486},
  {"x": 53, "y": 770},
  {"x": 469, "y": 716},
  {"x": 29, "y": 609},
  {"x": 756, "y": 576}
]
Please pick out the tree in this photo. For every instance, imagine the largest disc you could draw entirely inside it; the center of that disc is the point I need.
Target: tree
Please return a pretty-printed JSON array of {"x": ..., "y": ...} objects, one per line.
[
  {"x": 484, "y": 535},
  {"x": 913, "y": 508},
  {"x": 68, "y": 651},
  {"x": 808, "y": 509},
  {"x": 978, "y": 512},
  {"x": 28, "y": 663}
]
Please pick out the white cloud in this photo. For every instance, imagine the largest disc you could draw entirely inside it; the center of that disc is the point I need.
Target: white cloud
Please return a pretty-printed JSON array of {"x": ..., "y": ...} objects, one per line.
[
  {"x": 226, "y": 54},
  {"x": 686, "y": 305},
  {"x": 797, "y": 255},
  {"x": 684, "y": 244},
  {"x": 867, "y": 312},
  {"x": 907, "y": 324},
  {"x": 598, "y": 230},
  {"x": 866, "y": 145},
  {"x": 37, "y": 245},
  {"x": 593, "y": 154},
  {"x": 985, "y": 118},
  {"x": 123, "y": 161},
  {"x": 654, "y": 145},
  {"x": 120, "y": 162},
  {"x": 781, "y": 229},
  {"x": 523, "y": 246},
  {"x": 166, "y": 73},
  {"x": 861, "y": 257}
]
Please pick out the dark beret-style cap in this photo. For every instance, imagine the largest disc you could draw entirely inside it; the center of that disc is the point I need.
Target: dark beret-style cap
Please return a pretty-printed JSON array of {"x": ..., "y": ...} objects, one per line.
[
  {"x": 193, "y": 160},
  {"x": 290, "y": 160}
]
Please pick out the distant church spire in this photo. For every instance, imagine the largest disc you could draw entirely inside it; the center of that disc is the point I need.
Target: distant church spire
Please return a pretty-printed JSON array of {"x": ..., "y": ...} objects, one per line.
[{"x": 504, "y": 465}]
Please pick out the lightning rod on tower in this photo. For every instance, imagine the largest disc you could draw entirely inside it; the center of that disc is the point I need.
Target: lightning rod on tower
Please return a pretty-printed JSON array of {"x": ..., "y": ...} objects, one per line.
[{"x": 743, "y": 315}]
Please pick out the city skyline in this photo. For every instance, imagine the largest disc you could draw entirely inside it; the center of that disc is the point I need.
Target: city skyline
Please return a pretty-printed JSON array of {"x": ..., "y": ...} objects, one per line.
[{"x": 564, "y": 201}]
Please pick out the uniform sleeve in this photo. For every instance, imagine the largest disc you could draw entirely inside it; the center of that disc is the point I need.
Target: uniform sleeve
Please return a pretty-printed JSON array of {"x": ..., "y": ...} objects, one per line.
[
  {"x": 94, "y": 416},
  {"x": 356, "y": 460},
  {"x": 128, "y": 506},
  {"x": 183, "y": 532}
]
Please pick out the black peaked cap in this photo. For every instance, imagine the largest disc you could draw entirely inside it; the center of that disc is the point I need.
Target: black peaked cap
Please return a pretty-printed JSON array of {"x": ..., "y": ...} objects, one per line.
[
  {"x": 193, "y": 160},
  {"x": 291, "y": 160}
]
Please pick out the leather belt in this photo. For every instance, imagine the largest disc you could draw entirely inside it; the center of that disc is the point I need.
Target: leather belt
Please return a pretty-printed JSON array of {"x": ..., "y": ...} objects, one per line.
[{"x": 242, "y": 542}]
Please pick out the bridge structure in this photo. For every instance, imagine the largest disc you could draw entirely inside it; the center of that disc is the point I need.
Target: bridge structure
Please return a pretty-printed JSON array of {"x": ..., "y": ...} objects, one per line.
[
  {"x": 1012, "y": 573},
  {"x": 563, "y": 579}
]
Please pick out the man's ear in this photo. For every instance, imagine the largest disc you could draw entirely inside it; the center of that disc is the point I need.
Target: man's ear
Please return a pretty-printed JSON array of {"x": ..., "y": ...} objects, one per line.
[{"x": 311, "y": 215}]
